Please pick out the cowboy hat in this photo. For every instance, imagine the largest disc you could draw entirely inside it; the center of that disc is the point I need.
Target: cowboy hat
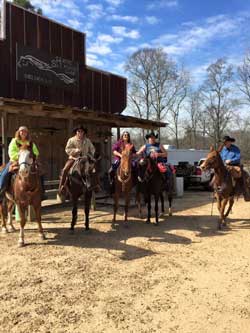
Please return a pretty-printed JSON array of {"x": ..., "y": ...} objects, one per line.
[
  {"x": 228, "y": 138},
  {"x": 80, "y": 127},
  {"x": 150, "y": 135}
]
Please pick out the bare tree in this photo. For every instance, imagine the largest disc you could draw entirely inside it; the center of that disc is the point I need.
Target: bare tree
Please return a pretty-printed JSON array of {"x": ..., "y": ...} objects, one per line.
[
  {"x": 244, "y": 78},
  {"x": 179, "y": 94},
  {"x": 192, "y": 122},
  {"x": 155, "y": 85},
  {"x": 217, "y": 100}
]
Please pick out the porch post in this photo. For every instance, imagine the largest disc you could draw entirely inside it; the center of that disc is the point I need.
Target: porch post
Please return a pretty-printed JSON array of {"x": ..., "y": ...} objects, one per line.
[
  {"x": 4, "y": 136},
  {"x": 118, "y": 133}
]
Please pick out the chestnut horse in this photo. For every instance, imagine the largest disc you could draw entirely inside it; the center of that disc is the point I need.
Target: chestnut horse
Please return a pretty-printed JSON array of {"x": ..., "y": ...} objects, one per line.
[
  {"x": 222, "y": 182},
  {"x": 123, "y": 182},
  {"x": 26, "y": 190},
  {"x": 154, "y": 183}
]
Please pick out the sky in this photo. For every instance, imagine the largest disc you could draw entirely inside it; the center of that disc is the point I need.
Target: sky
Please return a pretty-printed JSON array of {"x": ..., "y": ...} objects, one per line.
[{"x": 194, "y": 33}]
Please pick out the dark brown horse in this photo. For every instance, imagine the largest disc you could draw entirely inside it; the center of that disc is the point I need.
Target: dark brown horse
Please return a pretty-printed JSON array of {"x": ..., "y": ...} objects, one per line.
[
  {"x": 123, "y": 182},
  {"x": 26, "y": 191},
  {"x": 154, "y": 183},
  {"x": 77, "y": 188},
  {"x": 222, "y": 182}
]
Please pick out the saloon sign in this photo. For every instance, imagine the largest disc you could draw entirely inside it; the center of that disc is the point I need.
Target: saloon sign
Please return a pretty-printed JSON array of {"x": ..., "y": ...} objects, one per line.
[
  {"x": 35, "y": 66},
  {"x": 2, "y": 19}
]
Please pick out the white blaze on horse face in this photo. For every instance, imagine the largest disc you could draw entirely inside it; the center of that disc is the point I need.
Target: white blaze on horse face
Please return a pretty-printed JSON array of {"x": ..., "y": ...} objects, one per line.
[{"x": 24, "y": 161}]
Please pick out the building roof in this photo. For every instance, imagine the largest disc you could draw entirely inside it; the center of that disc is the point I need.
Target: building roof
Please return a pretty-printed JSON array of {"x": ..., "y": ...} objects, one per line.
[{"x": 40, "y": 109}]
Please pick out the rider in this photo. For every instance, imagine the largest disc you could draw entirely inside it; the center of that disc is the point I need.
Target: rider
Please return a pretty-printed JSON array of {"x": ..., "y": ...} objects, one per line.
[
  {"x": 155, "y": 150},
  {"x": 78, "y": 145},
  {"x": 231, "y": 156},
  {"x": 22, "y": 137},
  {"x": 117, "y": 152},
  {"x": 230, "y": 153}
]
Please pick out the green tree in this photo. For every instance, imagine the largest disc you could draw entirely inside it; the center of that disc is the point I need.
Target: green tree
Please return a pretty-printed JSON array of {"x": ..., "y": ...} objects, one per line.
[{"x": 27, "y": 5}]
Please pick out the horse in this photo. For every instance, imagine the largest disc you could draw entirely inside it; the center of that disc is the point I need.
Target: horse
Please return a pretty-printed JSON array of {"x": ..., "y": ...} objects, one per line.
[
  {"x": 77, "y": 187},
  {"x": 26, "y": 190},
  {"x": 153, "y": 182},
  {"x": 222, "y": 182},
  {"x": 123, "y": 182}
]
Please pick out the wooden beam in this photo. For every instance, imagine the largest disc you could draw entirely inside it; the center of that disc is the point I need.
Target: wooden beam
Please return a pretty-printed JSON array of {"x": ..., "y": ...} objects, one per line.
[
  {"x": 38, "y": 109},
  {"x": 4, "y": 137}
]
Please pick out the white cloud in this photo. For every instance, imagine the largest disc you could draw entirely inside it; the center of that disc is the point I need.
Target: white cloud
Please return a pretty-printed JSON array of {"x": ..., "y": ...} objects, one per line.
[
  {"x": 95, "y": 11},
  {"x": 58, "y": 9},
  {"x": 114, "y": 3},
  {"x": 162, "y": 4},
  {"x": 109, "y": 39},
  {"x": 124, "y": 32},
  {"x": 99, "y": 48},
  {"x": 131, "y": 19},
  {"x": 152, "y": 19},
  {"x": 92, "y": 60},
  {"x": 74, "y": 24},
  {"x": 193, "y": 37}
]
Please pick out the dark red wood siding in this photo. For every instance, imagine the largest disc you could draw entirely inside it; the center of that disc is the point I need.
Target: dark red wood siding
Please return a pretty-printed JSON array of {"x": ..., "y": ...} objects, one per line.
[{"x": 98, "y": 90}]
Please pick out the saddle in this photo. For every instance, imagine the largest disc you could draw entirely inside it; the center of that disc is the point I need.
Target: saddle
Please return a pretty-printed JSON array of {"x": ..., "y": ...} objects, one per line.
[
  {"x": 241, "y": 180},
  {"x": 235, "y": 171}
]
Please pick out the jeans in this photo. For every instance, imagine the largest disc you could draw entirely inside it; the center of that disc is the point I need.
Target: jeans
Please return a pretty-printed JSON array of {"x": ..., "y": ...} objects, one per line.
[{"x": 5, "y": 176}]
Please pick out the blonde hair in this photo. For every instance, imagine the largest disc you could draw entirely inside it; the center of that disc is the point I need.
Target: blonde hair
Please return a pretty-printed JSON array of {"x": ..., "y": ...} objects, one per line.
[{"x": 17, "y": 134}]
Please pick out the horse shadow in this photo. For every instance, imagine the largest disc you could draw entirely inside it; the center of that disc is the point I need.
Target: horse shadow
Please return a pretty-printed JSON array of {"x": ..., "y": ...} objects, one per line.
[{"x": 118, "y": 240}]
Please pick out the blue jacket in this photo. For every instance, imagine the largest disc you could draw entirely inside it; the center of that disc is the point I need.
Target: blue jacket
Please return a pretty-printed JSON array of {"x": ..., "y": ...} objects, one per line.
[{"x": 232, "y": 154}]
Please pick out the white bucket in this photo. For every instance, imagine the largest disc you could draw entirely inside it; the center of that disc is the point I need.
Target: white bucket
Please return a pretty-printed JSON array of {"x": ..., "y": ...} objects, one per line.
[{"x": 179, "y": 186}]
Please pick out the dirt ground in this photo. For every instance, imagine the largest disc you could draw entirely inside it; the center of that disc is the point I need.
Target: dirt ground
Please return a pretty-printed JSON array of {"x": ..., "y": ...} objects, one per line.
[{"x": 182, "y": 276}]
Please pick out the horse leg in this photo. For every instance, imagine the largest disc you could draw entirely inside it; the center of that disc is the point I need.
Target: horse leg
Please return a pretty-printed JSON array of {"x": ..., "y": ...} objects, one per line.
[
  {"x": 170, "y": 200},
  {"x": 138, "y": 201},
  {"x": 223, "y": 216},
  {"x": 87, "y": 204},
  {"x": 149, "y": 208},
  {"x": 115, "y": 206},
  {"x": 219, "y": 209},
  {"x": 156, "y": 209},
  {"x": 74, "y": 214},
  {"x": 37, "y": 210},
  {"x": 4, "y": 228},
  {"x": 162, "y": 203},
  {"x": 10, "y": 209},
  {"x": 231, "y": 202},
  {"x": 127, "y": 201},
  {"x": 21, "y": 211}
]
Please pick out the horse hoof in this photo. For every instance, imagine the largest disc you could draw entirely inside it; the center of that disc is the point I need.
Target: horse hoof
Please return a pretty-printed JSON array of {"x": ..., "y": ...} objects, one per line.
[
  {"x": 156, "y": 224},
  {"x": 126, "y": 225},
  {"x": 147, "y": 222},
  {"x": 43, "y": 237},
  {"x": 87, "y": 229},
  {"x": 4, "y": 231},
  {"x": 170, "y": 214},
  {"x": 71, "y": 231},
  {"x": 20, "y": 243},
  {"x": 12, "y": 229}
]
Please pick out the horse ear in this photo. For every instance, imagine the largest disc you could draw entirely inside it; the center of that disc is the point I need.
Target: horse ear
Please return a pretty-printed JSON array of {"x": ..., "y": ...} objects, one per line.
[
  {"x": 220, "y": 148},
  {"x": 212, "y": 148}
]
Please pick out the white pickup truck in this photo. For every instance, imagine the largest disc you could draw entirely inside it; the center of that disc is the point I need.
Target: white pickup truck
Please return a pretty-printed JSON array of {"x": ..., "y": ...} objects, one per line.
[
  {"x": 201, "y": 177},
  {"x": 187, "y": 164}
]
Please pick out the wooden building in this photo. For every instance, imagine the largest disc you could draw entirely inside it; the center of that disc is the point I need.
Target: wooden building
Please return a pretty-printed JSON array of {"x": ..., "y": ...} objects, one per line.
[{"x": 46, "y": 85}]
